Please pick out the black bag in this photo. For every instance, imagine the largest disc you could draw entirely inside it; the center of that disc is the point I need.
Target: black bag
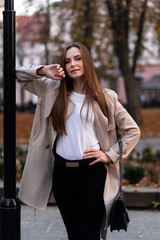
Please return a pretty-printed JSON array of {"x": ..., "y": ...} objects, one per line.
[{"x": 119, "y": 218}]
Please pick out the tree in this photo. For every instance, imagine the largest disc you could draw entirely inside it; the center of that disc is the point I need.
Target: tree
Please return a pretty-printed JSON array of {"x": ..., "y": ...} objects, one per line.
[
  {"x": 115, "y": 37},
  {"x": 42, "y": 19},
  {"x": 82, "y": 27},
  {"x": 120, "y": 16},
  {"x": 88, "y": 26},
  {"x": 154, "y": 19},
  {"x": 51, "y": 21}
]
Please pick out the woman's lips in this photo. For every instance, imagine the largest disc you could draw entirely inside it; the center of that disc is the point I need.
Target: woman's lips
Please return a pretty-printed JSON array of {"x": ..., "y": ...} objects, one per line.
[{"x": 75, "y": 70}]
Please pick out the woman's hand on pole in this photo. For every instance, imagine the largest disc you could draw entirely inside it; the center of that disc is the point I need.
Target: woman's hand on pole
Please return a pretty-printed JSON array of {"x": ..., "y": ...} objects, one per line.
[
  {"x": 98, "y": 154},
  {"x": 53, "y": 71}
]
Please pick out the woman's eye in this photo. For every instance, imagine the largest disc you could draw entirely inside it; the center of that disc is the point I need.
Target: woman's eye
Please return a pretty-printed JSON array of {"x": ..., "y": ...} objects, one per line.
[{"x": 66, "y": 62}]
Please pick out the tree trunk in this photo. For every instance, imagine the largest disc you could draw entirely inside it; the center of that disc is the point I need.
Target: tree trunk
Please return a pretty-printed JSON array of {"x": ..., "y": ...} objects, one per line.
[
  {"x": 82, "y": 27},
  {"x": 132, "y": 96},
  {"x": 133, "y": 105},
  {"x": 88, "y": 30},
  {"x": 119, "y": 14}
]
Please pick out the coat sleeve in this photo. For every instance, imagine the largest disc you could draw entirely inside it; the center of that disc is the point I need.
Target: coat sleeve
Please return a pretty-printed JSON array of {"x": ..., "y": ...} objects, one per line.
[
  {"x": 30, "y": 81},
  {"x": 130, "y": 130}
]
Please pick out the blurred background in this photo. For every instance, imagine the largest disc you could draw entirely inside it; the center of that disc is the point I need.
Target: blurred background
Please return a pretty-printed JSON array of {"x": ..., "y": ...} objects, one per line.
[{"x": 123, "y": 38}]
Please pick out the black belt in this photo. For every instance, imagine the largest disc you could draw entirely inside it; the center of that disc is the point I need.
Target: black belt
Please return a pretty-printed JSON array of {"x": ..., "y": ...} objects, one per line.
[{"x": 73, "y": 163}]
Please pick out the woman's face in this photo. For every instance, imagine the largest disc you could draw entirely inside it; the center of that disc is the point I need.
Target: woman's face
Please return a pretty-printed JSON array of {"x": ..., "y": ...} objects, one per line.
[{"x": 74, "y": 63}]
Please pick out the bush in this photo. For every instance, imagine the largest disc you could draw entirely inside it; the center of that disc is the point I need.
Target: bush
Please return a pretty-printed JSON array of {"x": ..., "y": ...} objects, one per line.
[
  {"x": 156, "y": 205},
  {"x": 133, "y": 174},
  {"x": 1, "y": 169},
  {"x": 22, "y": 163},
  {"x": 19, "y": 151},
  {"x": 147, "y": 154},
  {"x": 157, "y": 155},
  {"x": 21, "y": 155}
]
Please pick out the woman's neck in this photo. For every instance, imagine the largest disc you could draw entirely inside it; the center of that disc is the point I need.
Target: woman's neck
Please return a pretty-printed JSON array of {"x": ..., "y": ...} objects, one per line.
[{"x": 79, "y": 87}]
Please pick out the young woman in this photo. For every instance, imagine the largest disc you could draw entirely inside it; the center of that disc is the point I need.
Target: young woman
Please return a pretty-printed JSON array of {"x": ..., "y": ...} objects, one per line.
[{"x": 73, "y": 148}]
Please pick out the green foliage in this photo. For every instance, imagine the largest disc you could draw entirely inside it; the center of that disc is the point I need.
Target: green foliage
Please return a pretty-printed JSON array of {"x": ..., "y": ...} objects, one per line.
[
  {"x": 157, "y": 155},
  {"x": 147, "y": 154},
  {"x": 137, "y": 155},
  {"x": 22, "y": 163},
  {"x": 19, "y": 151},
  {"x": 134, "y": 154},
  {"x": 1, "y": 169},
  {"x": 155, "y": 204},
  {"x": 21, "y": 155},
  {"x": 133, "y": 174}
]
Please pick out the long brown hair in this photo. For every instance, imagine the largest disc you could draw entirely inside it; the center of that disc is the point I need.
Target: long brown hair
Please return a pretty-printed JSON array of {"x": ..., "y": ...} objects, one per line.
[{"x": 92, "y": 87}]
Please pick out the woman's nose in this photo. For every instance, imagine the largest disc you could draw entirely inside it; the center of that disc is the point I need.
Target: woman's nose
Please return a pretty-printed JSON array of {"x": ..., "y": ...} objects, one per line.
[{"x": 73, "y": 63}]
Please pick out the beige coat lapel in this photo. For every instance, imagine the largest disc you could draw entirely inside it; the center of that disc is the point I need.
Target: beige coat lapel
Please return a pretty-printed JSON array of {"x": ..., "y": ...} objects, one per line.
[
  {"x": 101, "y": 124},
  {"x": 104, "y": 124}
]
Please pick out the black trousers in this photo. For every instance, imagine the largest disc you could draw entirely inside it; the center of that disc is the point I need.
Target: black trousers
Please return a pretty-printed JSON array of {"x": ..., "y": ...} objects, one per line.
[{"x": 78, "y": 192}]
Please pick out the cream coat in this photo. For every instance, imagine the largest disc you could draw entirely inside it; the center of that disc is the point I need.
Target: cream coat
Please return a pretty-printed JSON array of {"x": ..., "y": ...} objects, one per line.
[{"x": 36, "y": 181}]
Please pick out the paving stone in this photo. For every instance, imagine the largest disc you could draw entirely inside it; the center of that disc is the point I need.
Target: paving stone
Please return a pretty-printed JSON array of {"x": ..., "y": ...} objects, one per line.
[{"x": 145, "y": 225}]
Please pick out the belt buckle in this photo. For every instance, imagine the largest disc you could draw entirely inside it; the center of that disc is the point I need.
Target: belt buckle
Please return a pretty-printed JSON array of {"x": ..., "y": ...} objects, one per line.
[{"x": 72, "y": 164}]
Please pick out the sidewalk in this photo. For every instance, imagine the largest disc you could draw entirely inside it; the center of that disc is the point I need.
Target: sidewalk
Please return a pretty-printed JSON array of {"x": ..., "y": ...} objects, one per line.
[{"x": 49, "y": 225}]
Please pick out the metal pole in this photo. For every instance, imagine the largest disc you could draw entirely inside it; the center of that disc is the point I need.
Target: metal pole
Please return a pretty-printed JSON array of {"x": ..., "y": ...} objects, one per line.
[{"x": 9, "y": 204}]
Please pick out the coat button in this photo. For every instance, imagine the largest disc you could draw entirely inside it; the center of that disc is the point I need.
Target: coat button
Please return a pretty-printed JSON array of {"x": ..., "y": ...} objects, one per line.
[{"x": 48, "y": 146}]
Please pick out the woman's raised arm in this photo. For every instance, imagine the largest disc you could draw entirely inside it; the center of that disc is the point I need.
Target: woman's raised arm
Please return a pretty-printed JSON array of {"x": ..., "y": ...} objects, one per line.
[
  {"x": 53, "y": 71},
  {"x": 30, "y": 78}
]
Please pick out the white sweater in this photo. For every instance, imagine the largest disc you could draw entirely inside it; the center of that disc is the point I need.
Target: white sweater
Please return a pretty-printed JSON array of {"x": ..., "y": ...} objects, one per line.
[{"x": 80, "y": 135}]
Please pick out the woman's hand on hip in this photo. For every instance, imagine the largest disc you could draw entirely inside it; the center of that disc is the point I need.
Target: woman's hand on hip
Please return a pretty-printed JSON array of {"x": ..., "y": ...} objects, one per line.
[
  {"x": 53, "y": 71},
  {"x": 98, "y": 154}
]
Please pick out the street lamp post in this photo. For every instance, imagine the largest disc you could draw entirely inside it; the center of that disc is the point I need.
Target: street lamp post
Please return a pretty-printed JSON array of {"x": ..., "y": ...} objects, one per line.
[{"x": 9, "y": 204}]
